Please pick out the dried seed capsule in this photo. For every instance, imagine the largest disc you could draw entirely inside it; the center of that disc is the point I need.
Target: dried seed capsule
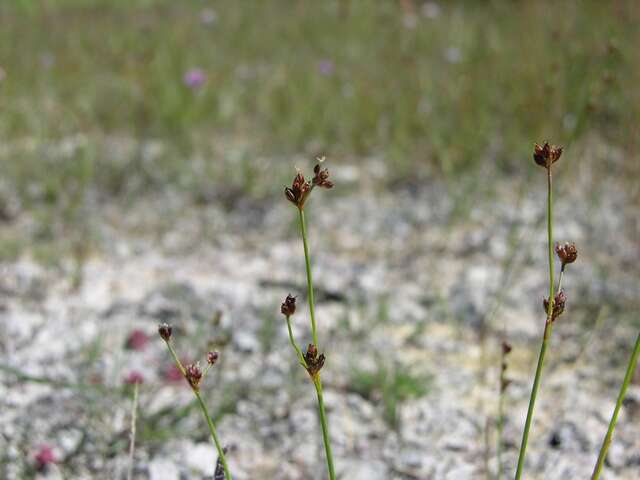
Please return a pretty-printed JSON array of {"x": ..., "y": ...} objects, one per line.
[
  {"x": 164, "y": 329},
  {"x": 546, "y": 155},
  {"x": 288, "y": 307},
  {"x": 558, "y": 305},
  {"x": 212, "y": 357},
  {"x": 194, "y": 375},
  {"x": 567, "y": 253}
]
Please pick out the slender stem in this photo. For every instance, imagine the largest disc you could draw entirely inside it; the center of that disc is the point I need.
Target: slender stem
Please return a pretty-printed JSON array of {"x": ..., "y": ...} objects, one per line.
[
  {"x": 176, "y": 359},
  {"x": 307, "y": 259},
  {"x": 132, "y": 435},
  {"x": 214, "y": 435},
  {"x": 633, "y": 361},
  {"x": 325, "y": 427},
  {"x": 205, "y": 412},
  {"x": 500, "y": 426},
  {"x": 294, "y": 344},
  {"x": 316, "y": 379},
  {"x": 548, "y": 329}
]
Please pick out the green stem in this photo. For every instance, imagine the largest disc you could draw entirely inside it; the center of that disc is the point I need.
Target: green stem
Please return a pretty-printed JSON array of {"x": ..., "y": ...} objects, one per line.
[
  {"x": 294, "y": 344},
  {"x": 325, "y": 427},
  {"x": 307, "y": 259},
  {"x": 214, "y": 435},
  {"x": 205, "y": 412},
  {"x": 316, "y": 379},
  {"x": 614, "y": 418},
  {"x": 548, "y": 329}
]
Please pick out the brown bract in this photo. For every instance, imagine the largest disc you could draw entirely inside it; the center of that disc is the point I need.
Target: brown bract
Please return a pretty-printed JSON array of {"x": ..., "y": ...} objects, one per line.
[
  {"x": 314, "y": 361},
  {"x": 546, "y": 155}
]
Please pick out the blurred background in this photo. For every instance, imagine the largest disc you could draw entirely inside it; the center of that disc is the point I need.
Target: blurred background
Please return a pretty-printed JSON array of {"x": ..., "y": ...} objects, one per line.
[{"x": 144, "y": 148}]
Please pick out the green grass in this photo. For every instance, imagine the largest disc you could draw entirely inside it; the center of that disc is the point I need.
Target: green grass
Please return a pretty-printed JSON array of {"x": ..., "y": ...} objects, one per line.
[{"x": 93, "y": 95}]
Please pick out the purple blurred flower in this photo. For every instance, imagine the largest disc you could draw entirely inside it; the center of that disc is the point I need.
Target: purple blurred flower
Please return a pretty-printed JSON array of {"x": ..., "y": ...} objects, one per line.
[
  {"x": 137, "y": 340},
  {"x": 325, "y": 67},
  {"x": 173, "y": 374},
  {"x": 44, "y": 457},
  {"x": 133, "y": 378},
  {"x": 194, "y": 78}
]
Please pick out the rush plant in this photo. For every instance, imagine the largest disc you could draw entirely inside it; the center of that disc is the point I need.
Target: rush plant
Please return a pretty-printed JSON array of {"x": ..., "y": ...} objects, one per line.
[
  {"x": 194, "y": 376},
  {"x": 546, "y": 156},
  {"x": 311, "y": 361}
]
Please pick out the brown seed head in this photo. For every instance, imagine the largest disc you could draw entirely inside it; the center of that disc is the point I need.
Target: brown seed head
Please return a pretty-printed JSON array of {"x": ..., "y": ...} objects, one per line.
[
  {"x": 558, "y": 305},
  {"x": 321, "y": 177},
  {"x": 164, "y": 329},
  {"x": 194, "y": 375},
  {"x": 299, "y": 190},
  {"x": 506, "y": 347},
  {"x": 546, "y": 155},
  {"x": 212, "y": 357},
  {"x": 567, "y": 253},
  {"x": 288, "y": 307},
  {"x": 314, "y": 361}
]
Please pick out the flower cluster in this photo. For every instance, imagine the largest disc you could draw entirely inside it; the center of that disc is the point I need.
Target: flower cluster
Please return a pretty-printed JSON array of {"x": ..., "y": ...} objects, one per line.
[
  {"x": 314, "y": 361},
  {"x": 288, "y": 307},
  {"x": 558, "y": 305},
  {"x": 301, "y": 188},
  {"x": 567, "y": 253},
  {"x": 546, "y": 155}
]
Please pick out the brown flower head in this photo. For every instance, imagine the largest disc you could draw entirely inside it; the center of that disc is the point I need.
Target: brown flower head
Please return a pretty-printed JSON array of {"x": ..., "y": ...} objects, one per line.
[
  {"x": 164, "y": 329},
  {"x": 212, "y": 357},
  {"x": 313, "y": 360},
  {"x": 299, "y": 190},
  {"x": 506, "y": 347},
  {"x": 321, "y": 176},
  {"x": 194, "y": 375},
  {"x": 288, "y": 307},
  {"x": 558, "y": 305},
  {"x": 546, "y": 155},
  {"x": 567, "y": 253}
]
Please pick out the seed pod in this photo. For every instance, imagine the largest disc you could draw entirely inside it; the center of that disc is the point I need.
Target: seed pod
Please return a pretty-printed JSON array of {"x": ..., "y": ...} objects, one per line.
[
  {"x": 194, "y": 375},
  {"x": 212, "y": 357},
  {"x": 546, "y": 155},
  {"x": 164, "y": 329},
  {"x": 558, "y": 305},
  {"x": 567, "y": 253},
  {"x": 288, "y": 307}
]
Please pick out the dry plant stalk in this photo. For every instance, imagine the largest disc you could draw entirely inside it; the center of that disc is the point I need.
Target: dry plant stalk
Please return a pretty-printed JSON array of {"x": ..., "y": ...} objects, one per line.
[{"x": 312, "y": 362}]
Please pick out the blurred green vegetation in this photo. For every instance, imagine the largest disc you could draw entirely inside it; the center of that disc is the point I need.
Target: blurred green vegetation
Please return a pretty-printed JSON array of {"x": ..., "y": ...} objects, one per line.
[{"x": 93, "y": 95}]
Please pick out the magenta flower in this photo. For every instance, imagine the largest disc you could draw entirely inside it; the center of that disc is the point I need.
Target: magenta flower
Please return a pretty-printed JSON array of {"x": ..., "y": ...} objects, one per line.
[
  {"x": 45, "y": 457},
  {"x": 173, "y": 374},
  {"x": 133, "y": 378},
  {"x": 137, "y": 340},
  {"x": 194, "y": 78},
  {"x": 325, "y": 67}
]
